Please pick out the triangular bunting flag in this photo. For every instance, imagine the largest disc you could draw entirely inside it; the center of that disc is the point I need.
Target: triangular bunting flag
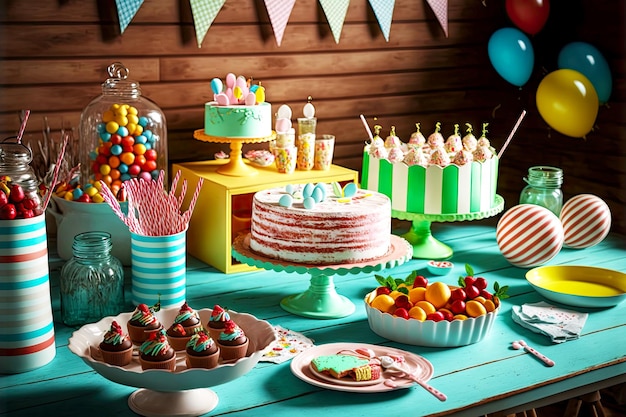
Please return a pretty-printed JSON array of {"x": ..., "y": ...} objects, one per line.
[
  {"x": 440, "y": 8},
  {"x": 383, "y": 9},
  {"x": 335, "y": 11},
  {"x": 278, "y": 12},
  {"x": 204, "y": 12},
  {"x": 126, "y": 10}
]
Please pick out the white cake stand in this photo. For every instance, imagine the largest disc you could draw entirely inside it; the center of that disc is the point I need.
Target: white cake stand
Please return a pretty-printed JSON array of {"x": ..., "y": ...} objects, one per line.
[
  {"x": 321, "y": 300},
  {"x": 182, "y": 392}
]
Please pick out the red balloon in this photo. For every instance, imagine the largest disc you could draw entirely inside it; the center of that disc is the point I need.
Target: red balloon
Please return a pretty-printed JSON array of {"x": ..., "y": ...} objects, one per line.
[{"x": 528, "y": 15}]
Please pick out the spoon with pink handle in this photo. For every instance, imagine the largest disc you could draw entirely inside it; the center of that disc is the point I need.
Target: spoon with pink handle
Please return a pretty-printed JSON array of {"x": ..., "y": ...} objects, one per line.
[
  {"x": 392, "y": 365},
  {"x": 519, "y": 344}
]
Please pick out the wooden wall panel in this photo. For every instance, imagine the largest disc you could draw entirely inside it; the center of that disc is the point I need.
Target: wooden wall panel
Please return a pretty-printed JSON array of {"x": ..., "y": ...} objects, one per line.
[{"x": 53, "y": 56}]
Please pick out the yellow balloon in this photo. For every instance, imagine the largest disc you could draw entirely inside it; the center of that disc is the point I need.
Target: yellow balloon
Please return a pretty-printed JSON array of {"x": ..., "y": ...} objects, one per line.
[{"x": 568, "y": 102}]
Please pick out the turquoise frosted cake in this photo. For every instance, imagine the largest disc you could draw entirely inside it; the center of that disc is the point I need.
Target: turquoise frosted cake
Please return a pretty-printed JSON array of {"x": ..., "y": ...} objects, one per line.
[
  {"x": 238, "y": 121},
  {"x": 435, "y": 177}
]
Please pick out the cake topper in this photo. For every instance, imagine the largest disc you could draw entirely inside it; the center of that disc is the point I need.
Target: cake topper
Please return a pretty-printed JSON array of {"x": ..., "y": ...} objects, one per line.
[{"x": 309, "y": 109}]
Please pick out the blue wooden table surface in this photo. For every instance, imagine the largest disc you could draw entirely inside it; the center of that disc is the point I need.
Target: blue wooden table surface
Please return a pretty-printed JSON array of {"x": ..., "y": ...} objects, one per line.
[{"x": 482, "y": 378}]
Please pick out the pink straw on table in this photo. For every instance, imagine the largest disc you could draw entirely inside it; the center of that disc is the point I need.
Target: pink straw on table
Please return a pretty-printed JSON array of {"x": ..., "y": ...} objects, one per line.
[
  {"x": 23, "y": 127},
  {"x": 519, "y": 121}
]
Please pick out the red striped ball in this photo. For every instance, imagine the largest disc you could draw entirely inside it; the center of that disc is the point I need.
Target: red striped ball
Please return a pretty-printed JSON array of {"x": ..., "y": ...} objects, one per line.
[
  {"x": 529, "y": 235},
  {"x": 586, "y": 221}
]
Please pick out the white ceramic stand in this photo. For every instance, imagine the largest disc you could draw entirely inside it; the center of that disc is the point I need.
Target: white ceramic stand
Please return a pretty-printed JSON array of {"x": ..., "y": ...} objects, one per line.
[{"x": 189, "y": 403}]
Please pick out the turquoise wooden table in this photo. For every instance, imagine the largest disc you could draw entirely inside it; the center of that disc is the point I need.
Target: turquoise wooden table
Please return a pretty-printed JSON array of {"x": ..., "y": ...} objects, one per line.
[{"x": 482, "y": 378}]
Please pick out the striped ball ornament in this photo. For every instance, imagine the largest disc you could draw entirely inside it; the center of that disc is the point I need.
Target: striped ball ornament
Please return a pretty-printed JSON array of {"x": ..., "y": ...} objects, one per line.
[
  {"x": 586, "y": 221},
  {"x": 529, "y": 235}
]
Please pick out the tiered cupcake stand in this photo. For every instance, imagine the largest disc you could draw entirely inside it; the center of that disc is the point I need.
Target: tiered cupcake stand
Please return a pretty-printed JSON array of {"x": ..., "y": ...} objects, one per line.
[
  {"x": 321, "y": 300},
  {"x": 425, "y": 245},
  {"x": 180, "y": 393},
  {"x": 235, "y": 167}
]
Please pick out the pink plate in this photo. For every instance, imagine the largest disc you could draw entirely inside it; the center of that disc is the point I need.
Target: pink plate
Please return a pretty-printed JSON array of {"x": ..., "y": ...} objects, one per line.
[{"x": 300, "y": 367}]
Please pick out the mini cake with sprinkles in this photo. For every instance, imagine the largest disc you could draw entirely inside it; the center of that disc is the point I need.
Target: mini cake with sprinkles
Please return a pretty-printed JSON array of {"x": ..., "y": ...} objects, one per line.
[
  {"x": 156, "y": 352},
  {"x": 186, "y": 323},
  {"x": 232, "y": 342},
  {"x": 202, "y": 351},
  {"x": 218, "y": 318},
  {"x": 143, "y": 322},
  {"x": 116, "y": 347}
]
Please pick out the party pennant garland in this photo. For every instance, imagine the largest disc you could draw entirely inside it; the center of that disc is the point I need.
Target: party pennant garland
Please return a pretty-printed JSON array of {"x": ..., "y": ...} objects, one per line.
[
  {"x": 126, "y": 10},
  {"x": 204, "y": 13},
  {"x": 440, "y": 8},
  {"x": 335, "y": 11},
  {"x": 383, "y": 9},
  {"x": 278, "y": 12}
]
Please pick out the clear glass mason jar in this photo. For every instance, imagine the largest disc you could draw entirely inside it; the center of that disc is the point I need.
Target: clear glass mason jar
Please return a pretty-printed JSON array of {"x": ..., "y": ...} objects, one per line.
[
  {"x": 124, "y": 134},
  {"x": 544, "y": 188},
  {"x": 92, "y": 282},
  {"x": 15, "y": 159}
]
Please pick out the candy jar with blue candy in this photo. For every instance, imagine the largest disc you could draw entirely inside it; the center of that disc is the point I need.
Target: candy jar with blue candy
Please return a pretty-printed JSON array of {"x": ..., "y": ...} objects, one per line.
[{"x": 124, "y": 133}]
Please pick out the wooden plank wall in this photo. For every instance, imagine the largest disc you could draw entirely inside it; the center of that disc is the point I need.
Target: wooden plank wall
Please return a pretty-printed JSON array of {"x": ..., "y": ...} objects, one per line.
[{"x": 54, "y": 54}]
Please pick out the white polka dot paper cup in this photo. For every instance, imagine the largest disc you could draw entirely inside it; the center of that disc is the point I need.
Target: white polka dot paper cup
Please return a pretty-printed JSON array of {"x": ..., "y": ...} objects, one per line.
[
  {"x": 158, "y": 269},
  {"x": 529, "y": 235},
  {"x": 586, "y": 221}
]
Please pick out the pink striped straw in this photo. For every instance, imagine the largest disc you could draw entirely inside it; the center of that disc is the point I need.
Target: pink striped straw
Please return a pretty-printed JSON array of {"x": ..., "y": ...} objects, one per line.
[
  {"x": 23, "y": 127},
  {"x": 57, "y": 168}
]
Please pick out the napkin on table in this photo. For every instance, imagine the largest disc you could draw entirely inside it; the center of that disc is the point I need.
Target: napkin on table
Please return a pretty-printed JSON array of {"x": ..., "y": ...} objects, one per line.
[
  {"x": 287, "y": 345},
  {"x": 558, "y": 324}
]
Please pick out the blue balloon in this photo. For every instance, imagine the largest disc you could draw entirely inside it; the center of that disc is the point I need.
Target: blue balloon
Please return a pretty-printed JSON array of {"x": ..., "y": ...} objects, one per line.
[
  {"x": 512, "y": 55},
  {"x": 586, "y": 59}
]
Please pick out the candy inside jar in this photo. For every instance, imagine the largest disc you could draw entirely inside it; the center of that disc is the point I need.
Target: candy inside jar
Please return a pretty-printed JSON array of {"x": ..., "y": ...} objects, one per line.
[
  {"x": 19, "y": 186},
  {"x": 125, "y": 133}
]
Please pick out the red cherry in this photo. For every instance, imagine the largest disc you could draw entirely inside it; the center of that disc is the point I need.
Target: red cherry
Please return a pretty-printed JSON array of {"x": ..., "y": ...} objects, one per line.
[
  {"x": 458, "y": 306},
  {"x": 29, "y": 203},
  {"x": 382, "y": 290},
  {"x": 447, "y": 315},
  {"x": 481, "y": 283},
  {"x": 402, "y": 301},
  {"x": 28, "y": 214},
  {"x": 486, "y": 294},
  {"x": 436, "y": 316},
  {"x": 8, "y": 212},
  {"x": 472, "y": 292},
  {"x": 17, "y": 194},
  {"x": 420, "y": 281},
  {"x": 469, "y": 281},
  {"x": 401, "y": 312},
  {"x": 3, "y": 199},
  {"x": 458, "y": 294}
]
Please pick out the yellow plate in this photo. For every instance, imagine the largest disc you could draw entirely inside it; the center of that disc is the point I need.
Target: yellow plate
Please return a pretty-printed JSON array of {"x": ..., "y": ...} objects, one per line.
[{"x": 582, "y": 286}]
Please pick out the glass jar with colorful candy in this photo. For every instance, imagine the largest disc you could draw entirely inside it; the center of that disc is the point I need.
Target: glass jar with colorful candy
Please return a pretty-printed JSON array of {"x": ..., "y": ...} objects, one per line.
[
  {"x": 19, "y": 186},
  {"x": 124, "y": 132}
]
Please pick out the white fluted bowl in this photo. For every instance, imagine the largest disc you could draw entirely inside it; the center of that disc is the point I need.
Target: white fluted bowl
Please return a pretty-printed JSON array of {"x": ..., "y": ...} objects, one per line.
[{"x": 429, "y": 333}]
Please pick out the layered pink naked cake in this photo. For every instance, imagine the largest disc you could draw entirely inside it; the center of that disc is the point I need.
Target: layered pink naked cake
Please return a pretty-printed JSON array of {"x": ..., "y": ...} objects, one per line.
[{"x": 320, "y": 224}]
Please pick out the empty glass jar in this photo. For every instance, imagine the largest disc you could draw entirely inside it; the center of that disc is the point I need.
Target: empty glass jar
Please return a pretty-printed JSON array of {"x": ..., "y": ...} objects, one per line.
[
  {"x": 544, "y": 188},
  {"x": 92, "y": 282}
]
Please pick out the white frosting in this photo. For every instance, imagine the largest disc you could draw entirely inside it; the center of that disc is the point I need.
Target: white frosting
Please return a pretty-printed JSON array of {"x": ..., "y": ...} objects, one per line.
[{"x": 336, "y": 230}]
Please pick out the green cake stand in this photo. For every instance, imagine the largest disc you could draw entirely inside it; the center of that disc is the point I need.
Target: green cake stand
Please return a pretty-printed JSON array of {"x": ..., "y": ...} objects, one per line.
[
  {"x": 425, "y": 245},
  {"x": 321, "y": 300}
]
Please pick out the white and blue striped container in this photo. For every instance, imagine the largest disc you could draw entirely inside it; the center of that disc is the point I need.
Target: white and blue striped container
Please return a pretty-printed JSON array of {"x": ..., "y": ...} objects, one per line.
[
  {"x": 158, "y": 269},
  {"x": 26, "y": 326}
]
